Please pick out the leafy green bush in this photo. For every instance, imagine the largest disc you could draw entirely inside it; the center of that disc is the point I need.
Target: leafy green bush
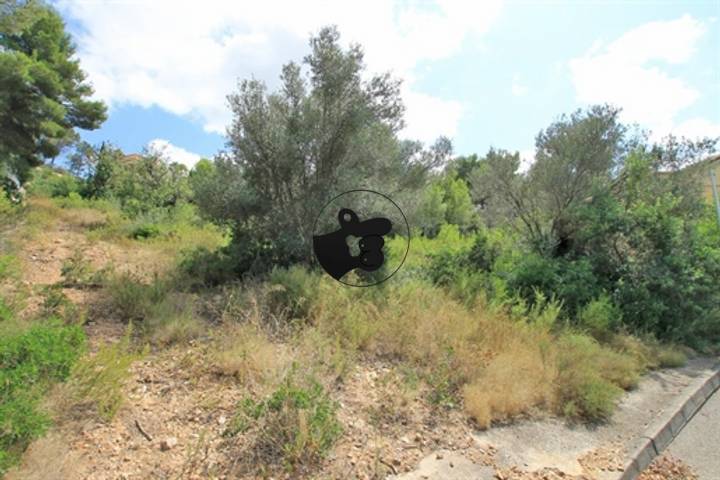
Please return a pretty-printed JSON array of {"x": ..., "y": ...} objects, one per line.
[
  {"x": 571, "y": 282},
  {"x": 669, "y": 288},
  {"x": 51, "y": 182},
  {"x": 31, "y": 359},
  {"x": 600, "y": 318},
  {"x": 145, "y": 231},
  {"x": 203, "y": 267},
  {"x": 296, "y": 424}
]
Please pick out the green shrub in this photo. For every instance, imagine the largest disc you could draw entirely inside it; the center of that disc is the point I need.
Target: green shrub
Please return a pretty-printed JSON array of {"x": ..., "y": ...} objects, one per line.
[
  {"x": 31, "y": 359},
  {"x": 51, "y": 182},
  {"x": 6, "y": 206},
  {"x": 9, "y": 267},
  {"x": 71, "y": 200},
  {"x": 484, "y": 252},
  {"x": 76, "y": 270},
  {"x": 203, "y": 267},
  {"x": 98, "y": 379},
  {"x": 600, "y": 318},
  {"x": 292, "y": 291},
  {"x": 145, "y": 231},
  {"x": 570, "y": 281},
  {"x": 57, "y": 304},
  {"x": 444, "y": 382},
  {"x": 132, "y": 299},
  {"x": 533, "y": 273},
  {"x": 591, "y": 377},
  {"x": 592, "y": 398},
  {"x": 296, "y": 424},
  {"x": 5, "y": 312}
]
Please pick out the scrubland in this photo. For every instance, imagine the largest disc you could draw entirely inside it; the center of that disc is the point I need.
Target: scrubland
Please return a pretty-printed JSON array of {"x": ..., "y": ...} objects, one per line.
[{"x": 292, "y": 338}]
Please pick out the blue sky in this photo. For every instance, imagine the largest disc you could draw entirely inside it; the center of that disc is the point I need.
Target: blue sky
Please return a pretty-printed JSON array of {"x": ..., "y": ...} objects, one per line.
[{"x": 483, "y": 73}]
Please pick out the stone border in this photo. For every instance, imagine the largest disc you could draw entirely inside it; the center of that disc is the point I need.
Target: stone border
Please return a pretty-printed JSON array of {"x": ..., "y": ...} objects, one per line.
[{"x": 663, "y": 430}]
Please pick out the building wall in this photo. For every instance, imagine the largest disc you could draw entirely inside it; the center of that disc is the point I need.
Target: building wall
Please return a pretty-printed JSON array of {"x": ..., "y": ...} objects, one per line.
[{"x": 707, "y": 184}]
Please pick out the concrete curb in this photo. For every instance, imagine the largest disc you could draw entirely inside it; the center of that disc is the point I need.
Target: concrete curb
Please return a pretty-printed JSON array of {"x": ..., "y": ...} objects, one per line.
[{"x": 663, "y": 431}]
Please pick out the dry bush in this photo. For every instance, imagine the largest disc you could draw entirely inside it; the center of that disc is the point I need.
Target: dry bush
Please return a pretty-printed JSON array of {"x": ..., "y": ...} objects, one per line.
[
  {"x": 506, "y": 367},
  {"x": 500, "y": 363},
  {"x": 516, "y": 380},
  {"x": 40, "y": 215},
  {"x": 173, "y": 320},
  {"x": 395, "y": 396},
  {"x": 496, "y": 361},
  {"x": 327, "y": 355},
  {"x": 84, "y": 218},
  {"x": 245, "y": 352}
]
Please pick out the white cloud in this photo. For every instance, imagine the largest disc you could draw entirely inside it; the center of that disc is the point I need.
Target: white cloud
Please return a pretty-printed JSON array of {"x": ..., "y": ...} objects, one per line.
[
  {"x": 185, "y": 57},
  {"x": 429, "y": 117},
  {"x": 625, "y": 73},
  {"x": 517, "y": 88},
  {"x": 173, "y": 153},
  {"x": 527, "y": 158},
  {"x": 697, "y": 127}
]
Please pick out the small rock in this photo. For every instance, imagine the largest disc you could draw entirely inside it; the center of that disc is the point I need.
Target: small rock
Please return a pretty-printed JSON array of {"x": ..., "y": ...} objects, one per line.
[
  {"x": 439, "y": 456},
  {"x": 168, "y": 443},
  {"x": 222, "y": 420}
]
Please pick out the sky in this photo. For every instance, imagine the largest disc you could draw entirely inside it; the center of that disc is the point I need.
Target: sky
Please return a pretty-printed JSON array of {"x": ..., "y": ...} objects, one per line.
[{"x": 485, "y": 74}]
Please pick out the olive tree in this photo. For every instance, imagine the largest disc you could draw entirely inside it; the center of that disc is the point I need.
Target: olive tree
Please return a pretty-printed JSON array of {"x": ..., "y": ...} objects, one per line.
[{"x": 330, "y": 127}]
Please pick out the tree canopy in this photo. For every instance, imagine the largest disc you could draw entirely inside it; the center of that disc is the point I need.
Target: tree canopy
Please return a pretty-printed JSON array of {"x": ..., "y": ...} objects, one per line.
[
  {"x": 43, "y": 92},
  {"x": 329, "y": 128}
]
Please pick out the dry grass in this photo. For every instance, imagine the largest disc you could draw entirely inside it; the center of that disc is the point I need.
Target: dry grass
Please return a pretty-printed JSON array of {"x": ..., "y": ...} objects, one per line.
[
  {"x": 498, "y": 364},
  {"x": 513, "y": 383},
  {"x": 173, "y": 320},
  {"x": 48, "y": 457},
  {"x": 500, "y": 367},
  {"x": 245, "y": 352},
  {"x": 84, "y": 218}
]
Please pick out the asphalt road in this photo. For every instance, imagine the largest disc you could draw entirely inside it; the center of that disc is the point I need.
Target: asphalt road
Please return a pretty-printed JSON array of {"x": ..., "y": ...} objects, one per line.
[{"x": 698, "y": 443}]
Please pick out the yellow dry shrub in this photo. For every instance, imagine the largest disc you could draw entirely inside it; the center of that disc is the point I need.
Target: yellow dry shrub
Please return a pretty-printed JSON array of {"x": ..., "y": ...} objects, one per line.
[
  {"x": 246, "y": 353},
  {"x": 514, "y": 382}
]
